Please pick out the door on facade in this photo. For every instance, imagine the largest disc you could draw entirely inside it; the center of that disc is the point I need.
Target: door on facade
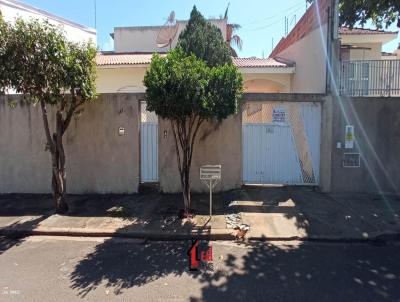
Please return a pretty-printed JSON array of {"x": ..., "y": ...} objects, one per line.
[
  {"x": 281, "y": 143},
  {"x": 148, "y": 145}
]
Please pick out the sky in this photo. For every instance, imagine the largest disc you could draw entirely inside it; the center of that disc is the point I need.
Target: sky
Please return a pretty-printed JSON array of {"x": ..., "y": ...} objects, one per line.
[{"x": 262, "y": 21}]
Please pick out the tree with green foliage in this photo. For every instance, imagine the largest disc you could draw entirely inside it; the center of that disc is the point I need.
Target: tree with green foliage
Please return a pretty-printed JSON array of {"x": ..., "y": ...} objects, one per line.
[
  {"x": 382, "y": 13},
  {"x": 37, "y": 61},
  {"x": 3, "y": 46},
  {"x": 204, "y": 40},
  {"x": 190, "y": 86}
]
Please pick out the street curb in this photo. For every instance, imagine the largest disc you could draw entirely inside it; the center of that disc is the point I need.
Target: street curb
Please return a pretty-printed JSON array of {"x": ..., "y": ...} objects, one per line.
[
  {"x": 215, "y": 235},
  {"x": 13, "y": 233}
]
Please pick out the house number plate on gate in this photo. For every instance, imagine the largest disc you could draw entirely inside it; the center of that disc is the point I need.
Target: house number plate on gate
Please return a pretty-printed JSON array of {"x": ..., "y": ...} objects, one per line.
[{"x": 351, "y": 160}]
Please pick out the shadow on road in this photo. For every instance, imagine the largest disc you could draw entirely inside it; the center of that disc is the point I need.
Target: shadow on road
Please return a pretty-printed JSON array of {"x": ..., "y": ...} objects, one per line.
[
  {"x": 306, "y": 272},
  {"x": 259, "y": 272},
  {"x": 120, "y": 267}
]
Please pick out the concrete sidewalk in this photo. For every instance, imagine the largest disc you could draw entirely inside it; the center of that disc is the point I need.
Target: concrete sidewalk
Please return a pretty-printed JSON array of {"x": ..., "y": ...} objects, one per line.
[{"x": 272, "y": 213}]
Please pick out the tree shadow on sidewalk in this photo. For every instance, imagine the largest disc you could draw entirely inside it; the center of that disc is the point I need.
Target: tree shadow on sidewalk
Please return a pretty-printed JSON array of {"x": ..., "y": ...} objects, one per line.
[{"x": 13, "y": 236}]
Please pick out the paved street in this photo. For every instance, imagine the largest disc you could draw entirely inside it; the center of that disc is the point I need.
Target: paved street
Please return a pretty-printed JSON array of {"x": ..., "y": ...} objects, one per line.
[{"x": 103, "y": 269}]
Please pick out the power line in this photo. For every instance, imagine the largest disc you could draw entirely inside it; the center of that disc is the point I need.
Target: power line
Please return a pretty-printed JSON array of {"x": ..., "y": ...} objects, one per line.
[
  {"x": 278, "y": 14},
  {"x": 266, "y": 26},
  {"x": 273, "y": 23}
]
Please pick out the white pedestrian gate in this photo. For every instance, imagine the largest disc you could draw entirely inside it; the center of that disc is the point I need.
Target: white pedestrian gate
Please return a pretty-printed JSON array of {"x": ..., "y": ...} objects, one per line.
[
  {"x": 281, "y": 143},
  {"x": 148, "y": 145}
]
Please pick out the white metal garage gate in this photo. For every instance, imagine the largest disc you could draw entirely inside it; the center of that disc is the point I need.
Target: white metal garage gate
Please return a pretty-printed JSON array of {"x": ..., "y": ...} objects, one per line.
[{"x": 281, "y": 143}]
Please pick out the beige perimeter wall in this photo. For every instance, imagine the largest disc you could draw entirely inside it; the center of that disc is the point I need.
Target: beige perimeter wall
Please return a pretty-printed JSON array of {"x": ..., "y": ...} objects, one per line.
[
  {"x": 218, "y": 143},
  {"x": 376, "y": 124},
  {"x": 98, "y": 159}
]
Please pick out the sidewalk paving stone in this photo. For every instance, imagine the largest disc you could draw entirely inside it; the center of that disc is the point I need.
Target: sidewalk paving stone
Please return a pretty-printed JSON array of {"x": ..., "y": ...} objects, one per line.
[{"x": 272, "y": 213}]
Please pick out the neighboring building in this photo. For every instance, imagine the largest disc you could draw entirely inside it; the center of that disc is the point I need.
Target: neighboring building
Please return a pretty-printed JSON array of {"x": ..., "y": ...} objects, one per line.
[
  {"x": 363, "y": 43},
  {"x": 361, "y": 113},
  {"x": 391, "y": 55},
  {"x": 11, "y": 9},
  {"x": 397, "y": 51},
  {"x": 365, "y": 69},
  {"x": 306, "y": 45}
]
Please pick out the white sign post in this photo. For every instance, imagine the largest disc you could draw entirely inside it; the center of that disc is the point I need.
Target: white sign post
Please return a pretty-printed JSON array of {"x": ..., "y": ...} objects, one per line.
[{"x": 210, "y": 175}]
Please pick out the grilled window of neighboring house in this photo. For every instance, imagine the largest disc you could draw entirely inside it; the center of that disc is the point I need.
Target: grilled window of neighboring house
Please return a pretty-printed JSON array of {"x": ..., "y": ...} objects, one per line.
[{"x": 364, "y": 78}]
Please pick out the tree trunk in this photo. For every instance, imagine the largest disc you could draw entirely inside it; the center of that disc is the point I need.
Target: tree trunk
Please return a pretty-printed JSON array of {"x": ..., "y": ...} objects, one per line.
[
  {"x": 58, "y": 168},
  {"x": 186, "y": 188},
  {"x": 185, "y": 132},
  {"x": 56, "y": 147},
  {"x": 59, "y": 181},
  {"x": 59, "y": 194}
]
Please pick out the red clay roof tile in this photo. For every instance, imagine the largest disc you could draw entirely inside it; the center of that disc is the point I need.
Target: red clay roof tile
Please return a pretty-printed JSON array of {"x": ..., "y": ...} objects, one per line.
[
  {"x": 257, "y": 62},
  {"x": 364, "y": 31},
  {"x": 114, "y": 59}
]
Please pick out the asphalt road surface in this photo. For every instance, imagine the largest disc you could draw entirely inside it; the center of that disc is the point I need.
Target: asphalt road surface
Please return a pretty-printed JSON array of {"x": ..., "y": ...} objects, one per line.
[{"x": 103, "y": 269}]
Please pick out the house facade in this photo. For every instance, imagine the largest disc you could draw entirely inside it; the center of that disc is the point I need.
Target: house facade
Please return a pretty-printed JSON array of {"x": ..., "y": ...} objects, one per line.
[
  {"x": 300, "y": 121},
  {"x": 123, "y": 69},
  {"x": 274, "y": 140}
]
